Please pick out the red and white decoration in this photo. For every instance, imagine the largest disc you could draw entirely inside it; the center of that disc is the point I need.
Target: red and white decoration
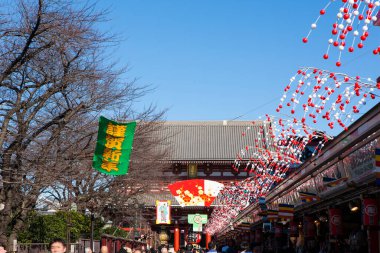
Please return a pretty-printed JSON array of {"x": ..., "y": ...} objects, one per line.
[
  {"x": 196, "y": 192},
  {"x": 351, "y": 28}
]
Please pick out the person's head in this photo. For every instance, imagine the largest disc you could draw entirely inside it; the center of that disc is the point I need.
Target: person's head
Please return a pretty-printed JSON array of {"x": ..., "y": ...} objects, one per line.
[
  {"x": 57, "y": 246},
  {"x": 164, "y": 250},
  {"x": 88, "y": 250},
  {"x": 244, "y": 245},
  {"x": 137, "y": 251},
  {"x": 212, "y": 245},
  {"x": 2, "y": 249},
  {"x": 189, "y": 247},
  {"x": 104, "y": 249}
]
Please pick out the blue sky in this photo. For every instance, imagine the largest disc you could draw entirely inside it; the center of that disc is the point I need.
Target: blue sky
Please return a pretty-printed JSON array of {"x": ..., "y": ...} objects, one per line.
[{"x": 219, "y": 59}]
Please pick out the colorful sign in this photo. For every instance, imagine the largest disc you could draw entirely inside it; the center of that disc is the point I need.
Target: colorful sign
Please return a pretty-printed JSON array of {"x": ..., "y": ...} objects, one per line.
[
  {"x": 113, "y": 146},
  {"x": 196, "y": 192},
  {"x": 197, "y": 220},
  {"x": 163, "y": 212}
]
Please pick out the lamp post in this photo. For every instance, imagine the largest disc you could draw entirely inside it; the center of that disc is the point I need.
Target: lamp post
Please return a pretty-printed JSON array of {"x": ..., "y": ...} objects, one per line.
[{"x": 91, "y": 207}]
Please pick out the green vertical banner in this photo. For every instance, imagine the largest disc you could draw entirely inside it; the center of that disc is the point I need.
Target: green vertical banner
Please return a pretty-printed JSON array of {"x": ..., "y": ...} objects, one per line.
[{"x": 113, "y": 146}]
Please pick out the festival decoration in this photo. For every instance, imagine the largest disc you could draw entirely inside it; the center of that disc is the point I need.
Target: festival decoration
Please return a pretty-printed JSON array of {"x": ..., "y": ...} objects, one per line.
[
  {"x": 377, "y": 157},
  {"x": 370, "y": 212},
  {"x": 313, "y": 96},
  {"x": 272, "y": 215},
  {"x": 197, "y": 220},
  {"x": 308, "y": 197},
  {"x": 196, "y": 192},
  {"x": 113, "y": 146},
  {"x": 377, "y": 166},
  {"x": 335, "y": 222},
  {"x": 285, "y": 212},
  {"x": 163, "y": 215},
  {"x": 351, "y": 28},
  {"x": 193, "y": 238},
  {"x": 331, "y": 181},
  {"x": 334, "y": 98}
]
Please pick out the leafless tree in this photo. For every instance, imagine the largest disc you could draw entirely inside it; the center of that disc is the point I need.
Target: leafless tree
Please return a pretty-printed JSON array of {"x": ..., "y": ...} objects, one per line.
[{"x": 55, "y": 80}]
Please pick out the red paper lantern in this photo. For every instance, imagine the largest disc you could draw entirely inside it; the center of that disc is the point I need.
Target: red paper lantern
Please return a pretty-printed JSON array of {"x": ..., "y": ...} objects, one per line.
[
  {"x": 335, "y": 222},
  {"x": 370, "y": 212}
]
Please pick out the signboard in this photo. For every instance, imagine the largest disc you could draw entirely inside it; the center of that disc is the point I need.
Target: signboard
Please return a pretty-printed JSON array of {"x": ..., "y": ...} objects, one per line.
[
  {"x": 163, "y": 212},
  {"x": 197, "y": 220}
]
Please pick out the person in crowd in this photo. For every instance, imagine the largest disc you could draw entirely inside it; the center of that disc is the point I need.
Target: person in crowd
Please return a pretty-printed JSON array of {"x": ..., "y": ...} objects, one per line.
[
  {"x": 104, "y": 249},
  {"x": 246, "y": 247},
  {"x": 88, "y": 250},
  {"x": 164, "y": 249},
  {"x": 137, "y": 251},
  {"x": 189, "y": 248},
  {"x": 2, "y": 249},
  {"x": 123, "y": 248},
  {"x": 212, "y": 247},
  {"x": 57, "y": 246}
]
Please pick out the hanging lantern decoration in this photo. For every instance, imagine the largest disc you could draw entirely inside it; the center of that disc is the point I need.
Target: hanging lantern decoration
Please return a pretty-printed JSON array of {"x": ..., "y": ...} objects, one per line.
[
  {"x": 335, "y": 222},
  {"x": 193, "y": 238},
  {"x": 370, "y": 212},
  {"x": 351, "y": 29}
]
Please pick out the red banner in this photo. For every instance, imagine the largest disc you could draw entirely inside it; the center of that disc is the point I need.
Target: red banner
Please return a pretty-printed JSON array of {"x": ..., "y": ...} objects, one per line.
[
  {"x": 308, "y": 226},
  {"x": 370, "y": 212},
  {"x": 293, "y": 229},
  {"x": 335, "y": 222}
]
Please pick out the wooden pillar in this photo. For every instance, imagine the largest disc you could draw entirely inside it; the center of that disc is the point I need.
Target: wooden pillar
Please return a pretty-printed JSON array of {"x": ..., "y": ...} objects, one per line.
[
  {"x": 208, "y": 239},
  {"x": 176, "y": 239}
]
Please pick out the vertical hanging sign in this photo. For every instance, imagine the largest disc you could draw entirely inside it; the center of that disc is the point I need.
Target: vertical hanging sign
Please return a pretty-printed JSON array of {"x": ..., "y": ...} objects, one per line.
[
  {"x": 163, "y": 212},
  {"x": 370, "y": 212},
  {"x": 113, "y": 146},
  {"x": 335, "y": 222}
]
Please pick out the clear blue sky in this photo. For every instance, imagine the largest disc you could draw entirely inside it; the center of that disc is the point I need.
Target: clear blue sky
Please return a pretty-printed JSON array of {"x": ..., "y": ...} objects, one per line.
[{"x": 218, "y": 59}]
